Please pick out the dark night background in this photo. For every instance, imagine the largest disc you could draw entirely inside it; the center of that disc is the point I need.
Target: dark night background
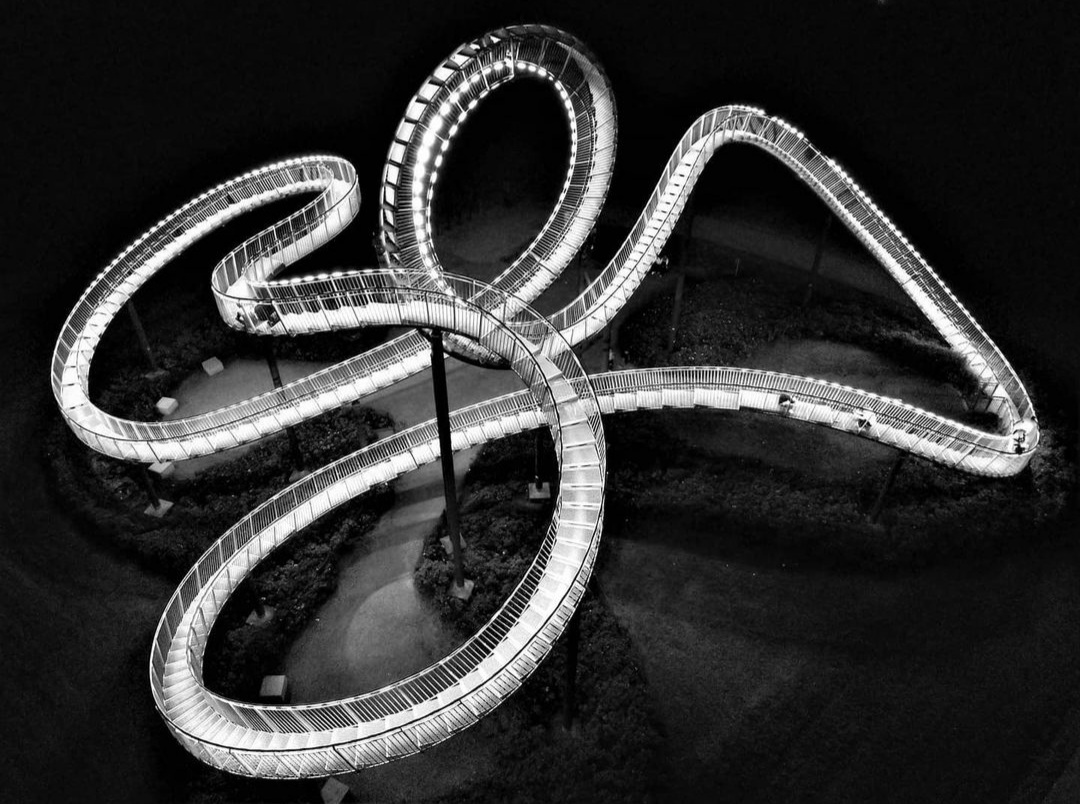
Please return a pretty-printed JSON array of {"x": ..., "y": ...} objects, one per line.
[{"x": 960, "y": 120}]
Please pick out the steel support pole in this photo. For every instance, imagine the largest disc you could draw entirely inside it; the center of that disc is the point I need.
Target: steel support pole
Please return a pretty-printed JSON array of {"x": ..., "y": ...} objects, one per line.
[
  {"x": 676, "y": 309},
  {"x": 573, "y": 637},
  {"x": 275, "y": 376},
  {"x": 140, "y": 335},
  {"x": 816, "y": 265},
  {"x": 446, "y": 453},
  {"x": 890, "y": 479}
]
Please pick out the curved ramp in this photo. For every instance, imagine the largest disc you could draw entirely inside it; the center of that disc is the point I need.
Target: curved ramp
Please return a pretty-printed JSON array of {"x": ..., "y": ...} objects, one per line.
[{"x": 492, "y": 324}]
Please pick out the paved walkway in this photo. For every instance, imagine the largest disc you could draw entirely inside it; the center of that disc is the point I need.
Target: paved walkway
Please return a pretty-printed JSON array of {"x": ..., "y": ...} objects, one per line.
[
  {"x": 241, "y": 379},
  {"x": 376, "y": 628}
]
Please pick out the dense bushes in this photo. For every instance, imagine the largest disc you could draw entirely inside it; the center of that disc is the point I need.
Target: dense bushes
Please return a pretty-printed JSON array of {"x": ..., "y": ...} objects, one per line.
[
  {"x": 612, "y": 750},
  {"x": 106, "y": 493},
  {"x": 660, "y": 471},
  {"x": 726, "y": 319}
]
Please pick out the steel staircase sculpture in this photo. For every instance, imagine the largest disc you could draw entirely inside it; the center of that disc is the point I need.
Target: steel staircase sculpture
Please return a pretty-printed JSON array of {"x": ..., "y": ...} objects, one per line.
[{"x": 488, "y": 323}]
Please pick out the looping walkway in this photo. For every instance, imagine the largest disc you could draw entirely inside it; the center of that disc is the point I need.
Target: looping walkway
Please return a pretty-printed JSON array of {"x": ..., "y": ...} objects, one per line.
[{"x": 491, "y": 324}]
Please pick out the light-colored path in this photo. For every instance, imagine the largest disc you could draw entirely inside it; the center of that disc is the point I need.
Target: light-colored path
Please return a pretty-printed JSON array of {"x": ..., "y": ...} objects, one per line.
[
  {"x": 375, "y": 628},
  {"x": 242, "y": 379}
]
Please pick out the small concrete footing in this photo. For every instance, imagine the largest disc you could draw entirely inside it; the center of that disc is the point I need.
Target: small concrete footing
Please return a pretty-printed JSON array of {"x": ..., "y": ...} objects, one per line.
[
  {"x": 448, "y": 548},
  {"x": 463, "y": 592},
  {"x": 334, "y": 791},
  {"x": 158, "y": 510},
  {"x": 167, "y": 405},
  {"x": 212, "y": 366},
  {"x": 539, "y": 493},
  {"x": 274, "y": 689},
  {"x": 260, "y": 620}
]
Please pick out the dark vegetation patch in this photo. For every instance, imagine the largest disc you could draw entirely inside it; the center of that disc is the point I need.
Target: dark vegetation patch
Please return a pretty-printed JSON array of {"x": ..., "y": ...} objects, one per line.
[
  {"x": 659, "y": 470},
  {"x": 727, "y": 318},
  {"x": 184, "y": 328},
  {"x": 106, "y": 495},
  {"x": 611, "y": 752},
  {"x": 659, "y": 467}
]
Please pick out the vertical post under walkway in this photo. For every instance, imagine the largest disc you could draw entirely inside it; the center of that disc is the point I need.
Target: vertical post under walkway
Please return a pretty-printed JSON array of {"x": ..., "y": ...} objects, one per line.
[
  {"x": 822, "y": 239},
  {"x": 538, "y": 444},
  {"x": 140, "y": 334},
  {"x": 680, "y": 277},
  {"x": 446, "y": 454},
  {"x": 573, "y": 637},
  {"x": 275, "y": 376},
  {"x": 676, "y": 309},
  {"x": 148, "y": 485},
  {"x": 887, "y": 487}
]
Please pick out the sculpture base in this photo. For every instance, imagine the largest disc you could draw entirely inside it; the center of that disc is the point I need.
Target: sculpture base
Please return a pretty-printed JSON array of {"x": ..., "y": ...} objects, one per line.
[
  {"x": 274, "y": 689},
  {"x": 334, "y": 791},
  {"x": 539, "y": 493},
  {"x": 259, "y": 622},
  {"x": 158, "y": 510},
  {"x": 463, "y": 592}
]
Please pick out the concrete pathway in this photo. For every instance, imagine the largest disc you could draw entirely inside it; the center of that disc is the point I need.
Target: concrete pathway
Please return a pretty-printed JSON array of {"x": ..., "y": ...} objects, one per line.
[
  {"x": 241, "y": 379},
  {"x": 376, "y": 628}
]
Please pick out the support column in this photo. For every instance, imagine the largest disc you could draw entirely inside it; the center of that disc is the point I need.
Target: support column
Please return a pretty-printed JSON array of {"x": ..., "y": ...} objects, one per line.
[
  {"x": 573, "y": 637},
  {"x": 890, "y": 479},
  {"x": 676, "y": 309},
  {"x": 822, "y": 239},
  {"x": 680, "y": 276},
  {"x": 612, "y": 342},
  {"x": 539, "y": 490},
  {"x": 461, "y": 587},
  {"x": 148, "y": 485},
  {"x": 140, "y": 335},
  {"x": 295, "y": 456},
  {"x": 157, "y": 507}
]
